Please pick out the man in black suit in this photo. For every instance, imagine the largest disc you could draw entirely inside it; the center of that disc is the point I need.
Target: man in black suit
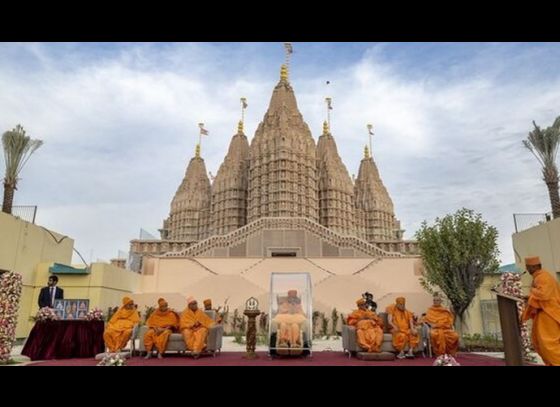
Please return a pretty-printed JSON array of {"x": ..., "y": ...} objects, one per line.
[{"x": 50, "y": 293}]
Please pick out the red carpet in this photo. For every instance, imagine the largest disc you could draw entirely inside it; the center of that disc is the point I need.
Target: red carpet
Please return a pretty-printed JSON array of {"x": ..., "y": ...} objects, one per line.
[{"x": 318, "y": 359}]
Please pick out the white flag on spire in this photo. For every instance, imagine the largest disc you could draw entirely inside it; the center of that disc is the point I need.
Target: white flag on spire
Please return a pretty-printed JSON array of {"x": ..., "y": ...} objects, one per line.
[
  {"x": 203, "y": 131},
  {"x": 329, "y": 103},
  {"x": 288, "y": 46},
  {"x": 370, "y": 127}
]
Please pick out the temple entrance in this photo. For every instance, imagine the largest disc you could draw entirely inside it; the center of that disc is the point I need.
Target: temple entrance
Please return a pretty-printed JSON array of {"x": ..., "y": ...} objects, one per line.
[{"x": 283, "y": 254}]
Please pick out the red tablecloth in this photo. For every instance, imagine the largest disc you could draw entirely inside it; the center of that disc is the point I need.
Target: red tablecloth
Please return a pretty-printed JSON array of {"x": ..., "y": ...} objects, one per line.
[{"x": 64, "y": 340}]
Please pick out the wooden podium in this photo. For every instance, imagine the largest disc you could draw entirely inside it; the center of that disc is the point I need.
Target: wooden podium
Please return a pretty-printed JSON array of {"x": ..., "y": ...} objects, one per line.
[{"x": 511, "y": 332}]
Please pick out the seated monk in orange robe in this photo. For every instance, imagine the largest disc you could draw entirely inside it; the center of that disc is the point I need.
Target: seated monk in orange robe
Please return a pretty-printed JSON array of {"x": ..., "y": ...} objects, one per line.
[
  {"x": 162, "y": 323},
  {"x": 289, "y": 318},
  {"x": 402, "y": 328},
  {"x": 369, "y": 327},
  {"x": 208, "y": 307},
  {"x": 119, "y": 329},
  {"x": 194, "y": 325},
  {"x": 543, "y": 306},
  {"x": 444, "y": 339}
]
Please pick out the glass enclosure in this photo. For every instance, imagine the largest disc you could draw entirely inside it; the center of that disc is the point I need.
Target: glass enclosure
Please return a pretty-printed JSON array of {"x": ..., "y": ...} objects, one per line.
[{"x": 291, "y": 310}]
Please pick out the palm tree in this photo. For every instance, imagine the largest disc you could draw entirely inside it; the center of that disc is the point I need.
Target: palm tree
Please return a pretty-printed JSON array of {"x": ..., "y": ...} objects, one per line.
[
  {"x": 17, "y": 149},
  {"x": 544, "y": 146}
]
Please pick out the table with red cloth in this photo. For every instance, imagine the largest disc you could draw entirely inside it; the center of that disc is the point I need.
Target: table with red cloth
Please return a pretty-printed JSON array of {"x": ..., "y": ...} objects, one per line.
[{"x": 64, "y": 340}]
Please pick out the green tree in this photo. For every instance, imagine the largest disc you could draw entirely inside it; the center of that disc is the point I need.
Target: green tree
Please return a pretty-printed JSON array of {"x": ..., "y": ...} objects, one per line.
[
  {"x": 544, "y": 146},
  {"x": 17, "y": 149},
  {"x": 457, "y": 251}
]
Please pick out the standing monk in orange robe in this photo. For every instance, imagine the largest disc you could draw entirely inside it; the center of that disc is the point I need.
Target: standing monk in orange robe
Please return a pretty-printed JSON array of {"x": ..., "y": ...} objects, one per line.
[
  {"x": 543, "y": 306},
  {"x": 444, "y": 339},
  {"x": 403, "y": 329},
  {"x": 369, "y": 327},
  {"x": 161, "y": 324},
  {"x": 119, "y": 329},
  {"x": 194, "y": 326}
]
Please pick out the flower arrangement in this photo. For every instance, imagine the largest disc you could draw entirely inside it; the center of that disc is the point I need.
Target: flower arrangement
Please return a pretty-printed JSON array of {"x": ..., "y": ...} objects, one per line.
[
  {"x": 445, "y": 360},
  {"x": 94, "y": 315},
  {"x": 112, "y": 359},
  {"x": 45, "y": 314},
  {"x": 10, "y": 293},
  {"x": 511, "y": 285}
]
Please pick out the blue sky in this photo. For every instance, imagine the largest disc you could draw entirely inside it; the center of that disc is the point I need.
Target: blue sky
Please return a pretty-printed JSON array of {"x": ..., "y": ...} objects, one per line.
[{"x": 119, "y": 122}]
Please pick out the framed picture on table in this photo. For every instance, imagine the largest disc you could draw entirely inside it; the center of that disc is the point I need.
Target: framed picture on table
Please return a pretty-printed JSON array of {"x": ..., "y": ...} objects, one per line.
[{"x": 71, "y": 309}]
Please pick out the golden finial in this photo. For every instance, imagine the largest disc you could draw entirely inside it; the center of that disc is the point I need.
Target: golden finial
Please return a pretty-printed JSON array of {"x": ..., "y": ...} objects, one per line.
[
  {"x": 284, "y": 73},
  {"x": 325, "y": 128},
  {"x": 240, "y": 127},
  {"x": 197, "y": 151},
  {"x": 366, "y": 152}
]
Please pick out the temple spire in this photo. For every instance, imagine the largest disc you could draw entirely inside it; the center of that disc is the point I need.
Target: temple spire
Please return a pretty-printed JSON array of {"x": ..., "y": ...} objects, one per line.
[
  {"x": 366, "y": 151},
  {"x": 197, "y": 151},
  {"x": 326, "y": 129}
]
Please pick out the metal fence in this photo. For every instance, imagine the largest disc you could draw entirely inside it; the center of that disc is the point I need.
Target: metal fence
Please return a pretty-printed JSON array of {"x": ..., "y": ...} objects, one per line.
[
  {"x": 524, "y": 221},
  {"x": 26, "y": 213}
]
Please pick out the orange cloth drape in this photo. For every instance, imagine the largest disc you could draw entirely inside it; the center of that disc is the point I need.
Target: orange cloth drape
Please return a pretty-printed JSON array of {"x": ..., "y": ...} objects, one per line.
[
  {"x": 168, "y": 320},
  {"x": 403, "y": 336},
  {"x": 119, "y": 329},
  {"x": 544, "y": 308},
  {"x": 195, "y": 337},
  {"x": 444, "y": 339},
  {"x": 369, "y": 332}
]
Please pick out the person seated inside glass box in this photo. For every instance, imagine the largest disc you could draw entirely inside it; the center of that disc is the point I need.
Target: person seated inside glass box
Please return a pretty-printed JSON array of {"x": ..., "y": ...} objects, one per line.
[{"x": 290, "y": 318}]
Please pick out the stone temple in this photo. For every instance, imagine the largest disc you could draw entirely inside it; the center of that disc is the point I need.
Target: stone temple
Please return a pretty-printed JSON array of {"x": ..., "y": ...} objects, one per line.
[{"x": 282, "y": 202}]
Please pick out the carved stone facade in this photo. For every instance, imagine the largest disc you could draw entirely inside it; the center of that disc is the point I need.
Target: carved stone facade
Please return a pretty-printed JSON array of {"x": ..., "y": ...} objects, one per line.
[
  {"x": 189, "y": 219},
  {"x": 282, "y": 175},
  {"x": 229, "y": 189},
  {"x": 336, "y": 195},
  {"x": 283, "y": 168},
  {"x": 374, "y": 207}
]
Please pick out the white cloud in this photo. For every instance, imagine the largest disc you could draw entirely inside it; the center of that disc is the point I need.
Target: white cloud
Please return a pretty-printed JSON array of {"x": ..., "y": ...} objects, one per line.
[{"x": 120, "y": 128}]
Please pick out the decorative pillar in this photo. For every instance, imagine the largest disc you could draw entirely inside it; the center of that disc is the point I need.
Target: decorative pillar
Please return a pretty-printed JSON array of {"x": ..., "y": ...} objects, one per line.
[{"x": 251, "y": 311}]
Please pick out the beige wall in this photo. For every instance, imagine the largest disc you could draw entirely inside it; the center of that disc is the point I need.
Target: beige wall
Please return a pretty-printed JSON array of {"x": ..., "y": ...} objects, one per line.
[
  {"x": 23, "y": 245},
  {"x": 30, "y": 250},
  {"x": 337, "y": 282},
  {"x": 543, "y": 241}
]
